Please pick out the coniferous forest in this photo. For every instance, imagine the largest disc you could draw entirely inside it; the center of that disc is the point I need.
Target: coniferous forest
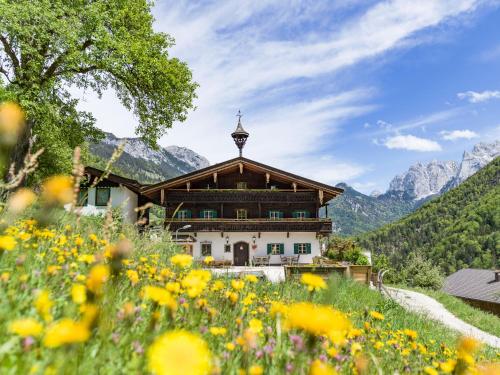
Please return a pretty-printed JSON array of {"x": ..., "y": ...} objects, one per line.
[{"x": 457, "y": 230}]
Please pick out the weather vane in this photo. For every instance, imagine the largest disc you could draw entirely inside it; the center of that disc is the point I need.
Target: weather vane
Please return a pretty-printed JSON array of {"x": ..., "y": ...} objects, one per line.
[{"x": 239, "y": 115}]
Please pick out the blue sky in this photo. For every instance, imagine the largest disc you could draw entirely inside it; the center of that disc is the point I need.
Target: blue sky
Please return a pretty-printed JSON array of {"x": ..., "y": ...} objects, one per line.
[{"x": 352, "y": 91}]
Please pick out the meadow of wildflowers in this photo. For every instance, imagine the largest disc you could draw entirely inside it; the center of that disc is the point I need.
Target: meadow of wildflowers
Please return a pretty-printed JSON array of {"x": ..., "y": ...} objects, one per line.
[{"x": 92, "y": 296}]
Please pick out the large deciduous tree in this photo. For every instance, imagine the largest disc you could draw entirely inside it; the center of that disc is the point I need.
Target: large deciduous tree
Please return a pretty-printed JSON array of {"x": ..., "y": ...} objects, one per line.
[{"x": 50, "y": 47}]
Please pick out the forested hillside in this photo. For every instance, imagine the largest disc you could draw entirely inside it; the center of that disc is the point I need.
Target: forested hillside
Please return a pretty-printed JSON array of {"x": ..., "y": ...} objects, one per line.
[{"x": 459, "y": 229}]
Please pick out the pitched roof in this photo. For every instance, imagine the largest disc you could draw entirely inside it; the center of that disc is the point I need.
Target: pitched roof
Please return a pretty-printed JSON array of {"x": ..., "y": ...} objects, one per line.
[
  {"x": 334, "y": 191},
  {"x": 474, "y": 284},
  {"x": 133, "y": 185}
]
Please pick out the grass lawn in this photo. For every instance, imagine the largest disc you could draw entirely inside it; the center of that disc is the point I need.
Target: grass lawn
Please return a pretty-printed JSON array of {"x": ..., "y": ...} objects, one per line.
[{"x": 478, "y": 318}]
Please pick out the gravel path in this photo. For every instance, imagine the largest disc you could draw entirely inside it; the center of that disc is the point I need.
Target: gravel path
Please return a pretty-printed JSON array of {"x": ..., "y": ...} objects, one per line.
[{"x": 421, "y": 303}]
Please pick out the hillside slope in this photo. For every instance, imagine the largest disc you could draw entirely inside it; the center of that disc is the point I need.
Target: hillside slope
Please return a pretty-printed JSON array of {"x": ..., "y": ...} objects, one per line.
[
  {"x": 459, "y": 229},
  {"x": 354, "y": 213}
]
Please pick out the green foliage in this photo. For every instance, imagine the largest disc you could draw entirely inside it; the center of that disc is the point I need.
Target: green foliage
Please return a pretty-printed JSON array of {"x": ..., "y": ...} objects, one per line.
[
  {"x": 345, "y": 249},
  {"x": 354, "y": 213},
  {"x": 457, "y": 230},
  {"x": 48, "y": 46}
]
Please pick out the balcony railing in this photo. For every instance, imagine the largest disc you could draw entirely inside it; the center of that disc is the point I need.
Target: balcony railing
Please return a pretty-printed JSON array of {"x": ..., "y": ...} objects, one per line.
[
  {"x": 323, "y": 226},
  {"x": 238, "y": 196}
]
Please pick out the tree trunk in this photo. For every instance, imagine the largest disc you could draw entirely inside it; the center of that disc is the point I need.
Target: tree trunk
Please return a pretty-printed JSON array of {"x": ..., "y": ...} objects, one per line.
[{"x": 18, "y": 152}]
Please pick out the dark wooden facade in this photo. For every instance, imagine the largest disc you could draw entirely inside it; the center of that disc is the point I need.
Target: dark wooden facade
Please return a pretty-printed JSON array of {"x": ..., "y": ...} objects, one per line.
[{"x": 242, "y": 184}]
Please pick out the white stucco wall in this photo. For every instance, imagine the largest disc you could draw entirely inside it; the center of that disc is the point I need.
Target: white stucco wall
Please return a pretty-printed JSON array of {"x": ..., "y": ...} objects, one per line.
[
  {"x": 121, "y": 197},
  {"x": 218, "y": 243}
]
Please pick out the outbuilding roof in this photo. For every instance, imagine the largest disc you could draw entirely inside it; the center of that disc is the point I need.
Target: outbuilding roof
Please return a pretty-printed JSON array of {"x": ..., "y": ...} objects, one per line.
[{"x": 476, "y": 284}]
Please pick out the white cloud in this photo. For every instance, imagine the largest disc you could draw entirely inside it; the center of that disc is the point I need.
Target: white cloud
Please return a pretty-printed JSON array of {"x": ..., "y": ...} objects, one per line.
[
  {"x": 453, "y": 135},
  {"x": 282, "y": 81},
  {"x": 411, "y": 143},
  {"x": 478, "y": 97}
]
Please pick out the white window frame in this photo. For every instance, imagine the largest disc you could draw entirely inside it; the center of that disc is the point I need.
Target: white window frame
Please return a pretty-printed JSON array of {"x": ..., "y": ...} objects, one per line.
[
  {"x": 272, "y": 215},
  {"x": 239, "y": 211},
  {"x": 275, "y": 249},
  {"x": 302, "y": 248},
  {"x": 208, "y": 214},
  {"x": 241, "y": 185},
  {"x": 181, "y": 214},
  {"x": 300, "y": 214}
]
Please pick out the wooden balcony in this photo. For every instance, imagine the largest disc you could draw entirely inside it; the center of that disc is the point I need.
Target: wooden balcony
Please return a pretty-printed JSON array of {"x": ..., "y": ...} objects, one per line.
[
  {"x": 323, "y": 226},
  {"x": 240, "y": 196}
]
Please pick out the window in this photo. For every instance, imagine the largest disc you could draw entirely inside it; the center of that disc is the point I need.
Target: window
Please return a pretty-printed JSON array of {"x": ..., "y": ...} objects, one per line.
[
  {"x": 208, "y": 214},
  {"x": 206, "y": 249},
  {"x": 274, "y": 215},
  {"x": 302, "y": 248},
  {"x": 183, "y": 214},
  {"x": 300, "y": 214},
  {"x": 102, "y": 196},
  {"x": 274, "y": 187},
  {"x": 241, "y": 185},
  {"x": 83, "y": 197},
  {"x": 241, "y": 214},
  {"x": 275, "y": 248},
  {"x": 227, "y": 248}
]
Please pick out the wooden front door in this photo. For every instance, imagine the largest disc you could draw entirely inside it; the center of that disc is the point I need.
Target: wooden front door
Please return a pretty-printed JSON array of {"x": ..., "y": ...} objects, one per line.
[{"x": 240, "y": 254}]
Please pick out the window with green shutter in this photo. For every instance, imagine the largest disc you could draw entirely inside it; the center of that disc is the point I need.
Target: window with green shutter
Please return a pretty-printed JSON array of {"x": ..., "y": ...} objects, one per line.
[
  {"x": 83, "y": 197},
  {"x": 183, "y": 214},
  {"x": 208, "y": 214},
  {"x": 275, "y": 248},
  {"x": 302, "y": 214},
  {"x": 275, "y": 215},
  {"x": 302, "y": 248}
]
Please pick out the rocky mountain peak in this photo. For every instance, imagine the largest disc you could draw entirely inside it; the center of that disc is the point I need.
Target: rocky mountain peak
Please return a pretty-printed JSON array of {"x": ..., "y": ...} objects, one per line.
[{"x": 423, "y": 180}]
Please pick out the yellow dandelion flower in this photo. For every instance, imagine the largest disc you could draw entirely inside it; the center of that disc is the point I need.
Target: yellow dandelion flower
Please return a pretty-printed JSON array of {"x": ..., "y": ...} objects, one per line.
[
  {"x": 313, "y": 282},
  {"x": 182, "y": 260},
  {"x": 195, "y": 282},
  {"x": 448, "y": 366},
  {"x": 11, "y": 122},
  {"x": 321, "y": 368},
  {"x": 430, "y": 370},
  {"x": 43, "y": 305},
  {"x": 251, "y": 278},
  {"x": 237, "y": 284},
  {"x": 159, "y": 295},
  {"x": 318, "y": 320},
  {"x": 208, "y": 260},
  {"x": 376, "y": 315},
  {"x": 218, "y": 285},
  {"x": 98, "y": 275},
  {"x": 65, "y": 331},
  {"x": 79, "y": 293},
  {"x": 26, "y": 327},
  {"x": 255, "y": 325},
  {"x": 218, "y": 331},
  {"x": 255, "y": 370},
  {"x": 410, "y": 333},
  {"x": 230, "y": 346},
  {"x": 57, "y": 190},
  {"x": 7, "y": 243},
  {"x": 179, "y": 353},
  {"x": 133, "y": 276}
]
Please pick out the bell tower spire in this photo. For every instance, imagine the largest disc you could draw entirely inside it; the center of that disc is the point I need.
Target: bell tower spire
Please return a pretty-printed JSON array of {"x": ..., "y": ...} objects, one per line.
[{"x": 240, "y": 135}]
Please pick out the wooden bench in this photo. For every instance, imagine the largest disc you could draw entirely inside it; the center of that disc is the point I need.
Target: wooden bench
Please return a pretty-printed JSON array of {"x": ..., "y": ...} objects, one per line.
[{"x": 261, "y": 260}]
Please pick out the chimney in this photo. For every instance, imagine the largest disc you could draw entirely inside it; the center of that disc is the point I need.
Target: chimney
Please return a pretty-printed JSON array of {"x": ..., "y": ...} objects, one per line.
[{"x": 497, "y": 275}]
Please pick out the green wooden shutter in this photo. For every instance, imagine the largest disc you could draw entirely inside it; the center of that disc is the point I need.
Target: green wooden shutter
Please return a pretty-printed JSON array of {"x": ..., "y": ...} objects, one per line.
[
  {"x": 295, "y": 248},
  {"x": 214, "y": 214},
  {"x": 282, "y": 248},
  {"x": 188, "y": 214},
  {"x": 269, "y": 248},
  {"x": 280, "y": 215},
  {"x": 308, "y": 248},
  {"x": 295, "y": 214},
  {"x": 307, "y": 214}
]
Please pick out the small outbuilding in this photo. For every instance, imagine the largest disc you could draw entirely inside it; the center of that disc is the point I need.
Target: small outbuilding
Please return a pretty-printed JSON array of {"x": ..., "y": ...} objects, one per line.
[{"x": 477, "y": 287}]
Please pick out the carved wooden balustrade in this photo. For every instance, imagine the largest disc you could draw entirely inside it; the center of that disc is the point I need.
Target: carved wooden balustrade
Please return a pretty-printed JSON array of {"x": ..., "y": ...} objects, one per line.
[
  {"x": 238, "y": 196},
  {"x": 323, "y": 226}
]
